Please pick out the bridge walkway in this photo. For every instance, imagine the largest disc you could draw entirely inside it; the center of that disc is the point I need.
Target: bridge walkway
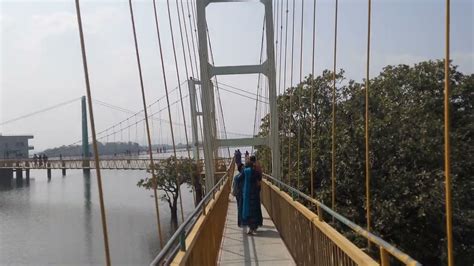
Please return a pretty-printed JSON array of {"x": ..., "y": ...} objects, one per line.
[{"x": 264, "y": 248}]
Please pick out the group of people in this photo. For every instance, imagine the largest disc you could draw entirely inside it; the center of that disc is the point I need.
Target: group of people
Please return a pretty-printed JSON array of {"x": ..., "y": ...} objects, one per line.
[
  {"x": 246, "y": 189},
  {"x": 40, "y": 160},
  {"x": 238, "y": 156}
]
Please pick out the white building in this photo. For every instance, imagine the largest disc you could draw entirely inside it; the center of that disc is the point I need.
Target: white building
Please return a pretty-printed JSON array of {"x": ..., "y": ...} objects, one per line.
[{"x": 14, "y": 147}]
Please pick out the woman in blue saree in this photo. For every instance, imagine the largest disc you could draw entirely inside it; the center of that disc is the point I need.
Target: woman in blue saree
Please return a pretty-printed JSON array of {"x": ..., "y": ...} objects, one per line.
[{"x": 251, "y": 208}]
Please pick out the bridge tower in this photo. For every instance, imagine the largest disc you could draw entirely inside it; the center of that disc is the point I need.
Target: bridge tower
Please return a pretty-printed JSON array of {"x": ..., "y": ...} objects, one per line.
[
  {"x": 85, "y": 136},
  {"x": 267, "y": 68}
]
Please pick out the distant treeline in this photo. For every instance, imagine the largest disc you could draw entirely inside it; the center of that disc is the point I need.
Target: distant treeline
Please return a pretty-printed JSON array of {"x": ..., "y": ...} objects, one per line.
[{"x": 110, "y": 148}]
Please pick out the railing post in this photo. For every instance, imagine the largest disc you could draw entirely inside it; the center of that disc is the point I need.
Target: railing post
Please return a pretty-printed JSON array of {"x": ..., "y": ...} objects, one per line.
[
  {"x": 182, "y": 241},
  {"x": 320, "y": 212},
  {"x": 384, "y": 257},
  {"x": 204, "y": 209}
]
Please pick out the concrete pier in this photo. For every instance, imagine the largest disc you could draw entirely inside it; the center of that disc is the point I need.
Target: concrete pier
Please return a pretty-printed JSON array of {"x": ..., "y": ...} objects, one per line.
[
  {"x": 48, "y": 170},
  {"x": 6, "y": 176},
  {"x": 19, "y": 173},
  {"x": 63, "y": 170}
]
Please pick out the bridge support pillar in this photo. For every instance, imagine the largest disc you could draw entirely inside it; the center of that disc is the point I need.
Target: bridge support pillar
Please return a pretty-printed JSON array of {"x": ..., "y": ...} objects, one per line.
[
  {"x": 19, "y": 173},
  {"x": 48, "y": 171},
  {"x": 27, "y": 171},
  {"x": 19, "y": 176},
  {"x": 6, "y": 177},
  {"x": 63, "y": 165},
  {"x": 267, "y": 68},
  {"x": 85, "y": 137}
]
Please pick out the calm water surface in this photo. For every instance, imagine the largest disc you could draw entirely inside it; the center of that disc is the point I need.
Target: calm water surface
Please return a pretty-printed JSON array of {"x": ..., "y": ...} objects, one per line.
[{"x": 58, "y": 222}]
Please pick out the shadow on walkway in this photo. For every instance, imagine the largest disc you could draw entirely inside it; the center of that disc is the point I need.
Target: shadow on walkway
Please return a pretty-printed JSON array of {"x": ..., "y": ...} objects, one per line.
[{"x": 264, "y": 248}]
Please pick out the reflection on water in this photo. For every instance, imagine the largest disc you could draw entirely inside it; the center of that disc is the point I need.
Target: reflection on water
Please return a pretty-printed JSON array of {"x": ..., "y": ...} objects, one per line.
[{"x": 58, "y": 222}]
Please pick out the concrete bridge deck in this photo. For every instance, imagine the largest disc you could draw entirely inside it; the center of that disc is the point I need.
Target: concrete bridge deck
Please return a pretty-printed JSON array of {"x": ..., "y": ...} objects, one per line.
[{"x": 264, "y": 248}]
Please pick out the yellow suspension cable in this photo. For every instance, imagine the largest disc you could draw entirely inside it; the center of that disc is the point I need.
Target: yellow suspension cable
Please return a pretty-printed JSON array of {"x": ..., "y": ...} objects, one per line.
[
  {"x": 258, "y": 83},
  {"x": 333, "y": 142},
  {"x": 299, "y": 97},
  {"x": 181, "y": 95},
  {"x": 286, "y": 46},
  {"x": 447, "y": 144},
  {"x": 169, "y": 111},
  {"x": 150, "y": 151},
  {"x": 312, "y": 102},
  {"x": 187, "y": 41},
  {"x": 284, "y": 77},
  {"x": 94, "y": 139},
  {"x": 367, "y": 159},
  {"x": 192, "y": 22},
  {"x": 291, "y": 94},
  {"x": 281, "y": 47}
]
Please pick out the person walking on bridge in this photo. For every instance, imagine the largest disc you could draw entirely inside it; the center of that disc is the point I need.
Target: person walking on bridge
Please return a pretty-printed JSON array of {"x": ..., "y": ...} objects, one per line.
[
  {"x": 251, "y": 208},
  {"x": 237, "y": 186}
]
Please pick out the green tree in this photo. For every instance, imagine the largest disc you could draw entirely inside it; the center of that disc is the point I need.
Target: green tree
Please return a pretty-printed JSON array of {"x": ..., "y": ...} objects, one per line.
[
  {"x": 171, "y": 174},
  {"x": 406, "y": 153}
]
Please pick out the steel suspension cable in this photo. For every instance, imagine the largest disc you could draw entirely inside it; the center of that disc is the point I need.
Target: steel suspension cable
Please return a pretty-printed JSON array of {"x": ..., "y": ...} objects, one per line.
[
  {"x": 286, "y": 46},
  {"x": 169, "y": 110},
  {"x": 114, "y": 107},
  {"x": 40, "y": 111},
  {"x": 367, "y": 86},
  {"x": 181, "y": 97},
  {"x": 182, "y": 46},
  {"x": 244, "y": 91},
  {"x": 333, "y": 131},
  {"x": 150, "y": 152},
  {"x": 258, "y": 80},
  {"x": 313, "y": 115},
  {"x": 243, "y": 95},
  {"x": 193, "y": 7},
  {"x": 94, "y": 140},
  {"x": 281, "y": 49},
  {"x": 192, "y": 28},
  {"x": 292, "y": 43},
  {"x": 276, "y": 28},
  {"x": 290, "y": 92},
  {"x": 187, "y": 41},
  {"x": 217, "y": 89},
  {"x": 300, "y": 95},
  {"x": 447, "y": 144},
  {"x": 134, "y": 115}
]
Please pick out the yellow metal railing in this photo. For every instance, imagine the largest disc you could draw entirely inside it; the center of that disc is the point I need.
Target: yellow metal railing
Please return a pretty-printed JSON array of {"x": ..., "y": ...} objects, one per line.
[
  {"x": 312, "y": 241},
  {"x": 197, "y": 241},
  {"x": 309, "y": 240}
]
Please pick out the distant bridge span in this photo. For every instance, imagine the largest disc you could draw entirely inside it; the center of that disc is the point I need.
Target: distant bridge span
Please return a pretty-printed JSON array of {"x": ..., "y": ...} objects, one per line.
[{"x": 110, "y": 164}]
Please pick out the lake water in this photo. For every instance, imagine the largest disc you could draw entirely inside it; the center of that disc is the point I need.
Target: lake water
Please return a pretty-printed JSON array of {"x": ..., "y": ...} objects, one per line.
[{"x": 58, "y": 221}]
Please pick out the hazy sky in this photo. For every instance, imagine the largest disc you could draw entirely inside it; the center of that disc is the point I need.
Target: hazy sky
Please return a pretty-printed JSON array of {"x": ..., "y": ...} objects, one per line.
[{"x": 41, "y": 60}]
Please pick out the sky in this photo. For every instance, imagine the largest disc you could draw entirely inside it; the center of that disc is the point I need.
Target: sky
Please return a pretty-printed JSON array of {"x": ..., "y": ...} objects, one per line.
[{"x": 40, "y": 57}]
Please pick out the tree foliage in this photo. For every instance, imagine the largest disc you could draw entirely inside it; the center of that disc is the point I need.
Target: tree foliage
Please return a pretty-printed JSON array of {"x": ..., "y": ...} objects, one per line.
[
  {"x": 171, "y": 174},
  {"x": 406, "y": 153}
]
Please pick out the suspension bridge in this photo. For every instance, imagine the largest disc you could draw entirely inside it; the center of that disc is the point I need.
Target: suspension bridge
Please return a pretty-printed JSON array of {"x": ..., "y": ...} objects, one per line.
[{"x": 299, "y": 229}]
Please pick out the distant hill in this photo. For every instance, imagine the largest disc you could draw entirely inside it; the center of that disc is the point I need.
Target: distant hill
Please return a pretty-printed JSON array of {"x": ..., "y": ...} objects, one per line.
[{"x": 109, "y": 148}]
